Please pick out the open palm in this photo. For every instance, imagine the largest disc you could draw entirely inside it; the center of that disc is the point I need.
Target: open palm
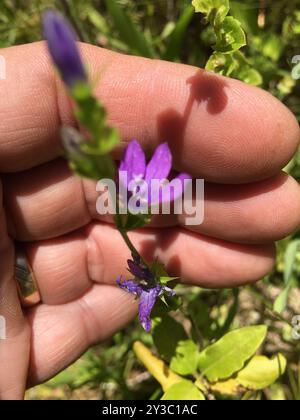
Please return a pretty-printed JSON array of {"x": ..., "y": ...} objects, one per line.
[{"x": 234, "y": 136}]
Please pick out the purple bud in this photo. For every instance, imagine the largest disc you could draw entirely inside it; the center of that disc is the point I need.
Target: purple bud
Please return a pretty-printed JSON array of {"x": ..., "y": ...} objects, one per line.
[
  {"x": 61, "y": 40},
  {"x": 139, "y": 271}
]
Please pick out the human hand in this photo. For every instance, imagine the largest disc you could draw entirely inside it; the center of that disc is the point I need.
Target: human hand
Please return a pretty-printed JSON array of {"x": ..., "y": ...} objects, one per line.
[{"x": 234, "y": 136}]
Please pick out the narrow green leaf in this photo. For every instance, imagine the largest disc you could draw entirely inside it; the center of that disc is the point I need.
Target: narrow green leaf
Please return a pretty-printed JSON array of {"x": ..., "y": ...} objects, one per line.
[
  {"x": 228, "y": 355},
  {"x": 281, "y": 301},
  {"x": 128, "y": 30},
  {"x": 289, "y": 262},
  {"x": 177, "y": 36},
  {"x": 289, "y": 259}
]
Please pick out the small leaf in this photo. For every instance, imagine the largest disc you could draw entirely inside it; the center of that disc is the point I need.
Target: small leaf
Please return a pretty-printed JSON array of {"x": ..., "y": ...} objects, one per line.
[
  {"x": 166, "y": 335},
  {"x": 136, "y": 221},
  {"x": 262, "y": 372},
  {"x": 81, "y": 161},
  {"x": 165, "y": 279},
  {"x": 251, "y": 76},
  {"x": 220, "y": 63},
  {"x": 185, "y": 361},
  {"x": 183, "y": 390},
  {"x": 228, "y": 355},
  {"x": 91, "y": 159},
  {"x": 287, "y": 83},
  {"x": 272, "y": 47},
  {"x": 106, "y": 140},
  {"x": 215, "y": 10},
  {"x": 158, "y": 269},
  {"x": 155, "y": 366},
  {"x": 231, "y": 37},
  {"x": 91, "y": 114}
]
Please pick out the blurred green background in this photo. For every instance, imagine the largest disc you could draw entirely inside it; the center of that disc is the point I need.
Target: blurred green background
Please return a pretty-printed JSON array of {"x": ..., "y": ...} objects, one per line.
[{"x": 170, "y": 29}]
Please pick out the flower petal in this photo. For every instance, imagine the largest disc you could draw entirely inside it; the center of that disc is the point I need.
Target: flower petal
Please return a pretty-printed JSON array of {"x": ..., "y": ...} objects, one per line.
[
  {"x": 130, "y": 286},
  {"x": 169, "y": 193},
  {"x": 160, "y": 165},
  {"x": 62, "y": 47},
  {"x": 184, "y": 179},
  {"x": 133, "y": 162},
  {"x": 147, "y": 302}
]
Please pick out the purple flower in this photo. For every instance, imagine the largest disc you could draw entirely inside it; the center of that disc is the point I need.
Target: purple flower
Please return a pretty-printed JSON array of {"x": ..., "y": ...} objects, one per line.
[
  {"x": 139, "y": 270},
  {"x": 148, "y": 293},
  {"x": 137, "y": 176},
  {"x": 61, "y": 40}
]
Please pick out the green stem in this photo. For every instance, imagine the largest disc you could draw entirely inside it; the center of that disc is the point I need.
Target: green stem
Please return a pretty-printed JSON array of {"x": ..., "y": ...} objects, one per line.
[
  {"x": 128, "y": 242},
  {"x": 124, "y": 234}
]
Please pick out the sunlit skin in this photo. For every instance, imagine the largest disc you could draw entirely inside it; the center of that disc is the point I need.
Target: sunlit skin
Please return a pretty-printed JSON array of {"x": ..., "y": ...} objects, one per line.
[{"x": 235, "y": 136}]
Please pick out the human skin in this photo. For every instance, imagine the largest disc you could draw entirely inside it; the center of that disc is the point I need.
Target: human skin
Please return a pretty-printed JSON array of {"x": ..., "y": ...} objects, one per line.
[{"x": 236, "y": 137}]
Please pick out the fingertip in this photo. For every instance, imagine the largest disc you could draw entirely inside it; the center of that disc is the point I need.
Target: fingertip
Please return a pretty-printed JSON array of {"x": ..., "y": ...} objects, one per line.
[
  {"x": 253, "y": 138},
  {"x": 226, "y": 264},
  {"x": 287, "y": 210}
]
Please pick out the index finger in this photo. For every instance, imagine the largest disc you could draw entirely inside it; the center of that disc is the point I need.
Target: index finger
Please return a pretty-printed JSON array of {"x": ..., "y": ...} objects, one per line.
[{"x": 219, "y": 128}]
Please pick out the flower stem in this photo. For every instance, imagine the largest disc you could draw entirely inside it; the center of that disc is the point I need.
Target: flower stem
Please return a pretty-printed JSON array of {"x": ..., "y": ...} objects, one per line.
[
  {"x": 128, "y": 242},
  {"x": 124, "y": 234}
]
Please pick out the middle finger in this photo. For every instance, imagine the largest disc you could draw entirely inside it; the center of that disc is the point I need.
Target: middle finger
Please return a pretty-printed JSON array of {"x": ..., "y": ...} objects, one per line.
[{"x": 49, "y": 201}]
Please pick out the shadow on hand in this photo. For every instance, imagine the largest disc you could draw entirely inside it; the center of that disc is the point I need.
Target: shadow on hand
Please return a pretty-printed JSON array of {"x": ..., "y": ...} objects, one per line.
[
  {"x": 161, "y": 243},
  {"x": 204, "y": 87}
]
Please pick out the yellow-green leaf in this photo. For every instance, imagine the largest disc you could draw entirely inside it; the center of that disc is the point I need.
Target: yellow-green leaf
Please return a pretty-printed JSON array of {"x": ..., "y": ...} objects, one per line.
[
  {"x": 213, "y": 9},
  {"x": 161, "y": 372},
  {"x": 185, "y": 361},
  {"x": 261, "y": 372},
  {"x": 183, "y": 390},
  {"x": 221, "y": 63},
  {"x": 230, "y": 388},
  {"x": 251, "y": 76},
  {"x": 229, "y": 354},
  {"x": 232, "y": 36}
]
